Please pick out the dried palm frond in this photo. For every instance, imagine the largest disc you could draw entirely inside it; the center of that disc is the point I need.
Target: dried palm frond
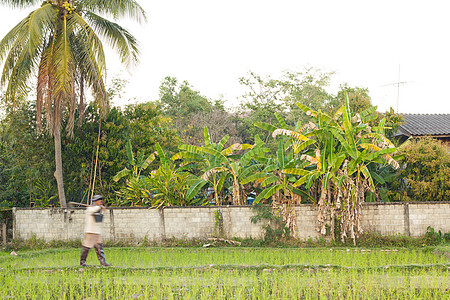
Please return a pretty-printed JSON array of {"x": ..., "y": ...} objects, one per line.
[
  {"x": 309, "y": 158},
  {"x": 370, "y": 147},
  {"x": 290, "y": 133},
  {"x": 356, "y": 118},
  {"x": 322, "y": 215},
  {"x": 380, "y": 140},
  {"x": 391, "y": 161},
  {"x": 212, "y": 171},
  {"x": 309, "y": 126}
]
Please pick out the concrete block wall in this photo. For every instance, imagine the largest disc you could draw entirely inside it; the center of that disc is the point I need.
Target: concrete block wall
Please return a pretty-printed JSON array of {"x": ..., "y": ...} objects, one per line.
[
  {"x": 189, "y": 222},
  {"x": 237, "y": 222},
  {"x": 306, "y": 217},
  {"x": 384, "y": 218},
  {"x": 200, "y": 222},
  {"x": 133, "y": 223},
  {"x": 422, "y": 215}
]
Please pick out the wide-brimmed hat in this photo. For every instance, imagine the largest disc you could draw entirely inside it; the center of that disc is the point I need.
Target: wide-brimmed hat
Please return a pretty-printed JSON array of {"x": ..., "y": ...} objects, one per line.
[{"x": 97, "y": 197}]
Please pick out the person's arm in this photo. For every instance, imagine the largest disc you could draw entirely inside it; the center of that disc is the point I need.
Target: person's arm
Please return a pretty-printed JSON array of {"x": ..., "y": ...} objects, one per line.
[{"x": 93, "y": 209}]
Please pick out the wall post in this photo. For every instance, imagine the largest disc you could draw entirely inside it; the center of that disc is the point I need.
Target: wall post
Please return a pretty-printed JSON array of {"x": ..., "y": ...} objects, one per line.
[
  {"x": 406, "y": 218},
  {"x": 4, "y": 232},
  {"x": 162, "y": 223}
]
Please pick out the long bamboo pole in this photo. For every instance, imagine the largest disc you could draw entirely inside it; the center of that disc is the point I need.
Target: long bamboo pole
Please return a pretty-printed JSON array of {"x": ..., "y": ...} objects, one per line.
[{"x": 96, "y": 159}]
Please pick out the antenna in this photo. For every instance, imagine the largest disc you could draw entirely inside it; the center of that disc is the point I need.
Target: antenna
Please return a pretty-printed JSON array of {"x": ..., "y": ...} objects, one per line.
[{"x": 398, "y": 84}]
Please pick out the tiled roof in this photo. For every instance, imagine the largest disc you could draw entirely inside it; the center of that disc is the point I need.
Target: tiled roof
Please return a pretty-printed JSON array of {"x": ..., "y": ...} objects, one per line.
[{"x": 426, "y": 124}]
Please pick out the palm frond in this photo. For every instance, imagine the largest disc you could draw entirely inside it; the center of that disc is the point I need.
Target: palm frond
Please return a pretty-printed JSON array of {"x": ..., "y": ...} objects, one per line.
[
  {"x": 116, "y": 8},
  {"x": 90, "y": 57},
  {"x": 117, "y": 37},
  {"x": 20, "y": 3},
  {"x": 20, "y": 49},
  {"x": 63, "y": 70}
]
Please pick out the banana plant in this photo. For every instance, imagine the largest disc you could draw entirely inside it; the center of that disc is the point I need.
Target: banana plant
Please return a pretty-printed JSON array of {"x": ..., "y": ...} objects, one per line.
[
  {"x": 169, "y": 184},
  {"x": 137, "y": 165},
  {"x": 273, "y": 178},
  {"x": 216, "y": 164},
  {"x": 135, "y": 191},
  {"x": 165, "y": 186},
  {"x": 337, "y": 150},
  {"x": 276, "y": 178},
  {"x": 346, "y": 145}
]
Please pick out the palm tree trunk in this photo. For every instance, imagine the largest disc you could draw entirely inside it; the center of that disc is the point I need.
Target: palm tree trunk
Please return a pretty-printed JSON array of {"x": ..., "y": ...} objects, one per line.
[
  {"x": 58, "y": 172},
  {"x": 81, "y": 107}
]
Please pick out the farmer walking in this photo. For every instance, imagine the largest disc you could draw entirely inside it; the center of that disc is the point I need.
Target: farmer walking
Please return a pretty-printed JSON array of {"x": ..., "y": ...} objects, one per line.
[{"x": 93, "y": 231}]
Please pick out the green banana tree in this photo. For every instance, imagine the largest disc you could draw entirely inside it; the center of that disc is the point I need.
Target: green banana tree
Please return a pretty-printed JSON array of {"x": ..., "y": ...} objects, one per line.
[
  {"x": 337, "y": 150},
  {"x": 137, "y": 165},
  {"x": 217, "y": 163},
  {"x": 203, "y": 159},
  {"x": 277, "y": 184},
  {"x": 346, "y": 145},
  {"x": 135, "y": 192},
  {"x": 165, "y": 186},
  {"x": 168, "y": 184}
]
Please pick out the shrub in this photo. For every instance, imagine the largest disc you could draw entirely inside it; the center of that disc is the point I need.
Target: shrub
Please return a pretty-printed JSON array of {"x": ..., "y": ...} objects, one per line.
[{"x": 427, "y": 170}]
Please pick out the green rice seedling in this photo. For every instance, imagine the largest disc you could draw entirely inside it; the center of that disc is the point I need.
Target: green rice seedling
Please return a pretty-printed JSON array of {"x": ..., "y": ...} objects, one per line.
[{"x": 169, "y": 273}]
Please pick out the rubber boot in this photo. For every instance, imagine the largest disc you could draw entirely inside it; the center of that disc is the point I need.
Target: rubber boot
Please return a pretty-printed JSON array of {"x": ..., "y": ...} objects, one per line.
[
  {"x": 101, "y": 255},
  {"x": 84, "y": 254}
]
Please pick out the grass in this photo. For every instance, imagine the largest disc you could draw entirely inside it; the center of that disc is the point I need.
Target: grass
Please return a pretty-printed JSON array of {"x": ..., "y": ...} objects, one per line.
[{"x": 229, "y": 273}]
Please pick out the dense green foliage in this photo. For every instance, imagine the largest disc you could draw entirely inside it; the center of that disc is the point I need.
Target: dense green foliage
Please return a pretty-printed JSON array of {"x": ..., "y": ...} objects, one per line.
[
  {"x": 227, "y": 174},
  {"x": 27, "y": 156},
  {"x": 190, "y": 112},
  {"x": 426, "y": 170},
  {"x": 57, "y": 46}
]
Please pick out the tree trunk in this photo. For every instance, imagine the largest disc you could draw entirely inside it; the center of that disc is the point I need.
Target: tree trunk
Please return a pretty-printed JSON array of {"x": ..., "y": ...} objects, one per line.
[
  {"x": 81, "y": 107},
  {"x": 59, "y": 172}
]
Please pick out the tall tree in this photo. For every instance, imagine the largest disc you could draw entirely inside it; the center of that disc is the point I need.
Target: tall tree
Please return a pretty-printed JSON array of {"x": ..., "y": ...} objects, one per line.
[
  {"x": 190, "y": 112},
  {"x": 59, "y": 42},
  {"x": 267, "y": 95},
  {"x": 358, "y": 97}
]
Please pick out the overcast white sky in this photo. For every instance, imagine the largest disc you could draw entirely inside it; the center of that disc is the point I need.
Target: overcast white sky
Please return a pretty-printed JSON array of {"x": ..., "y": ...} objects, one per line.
[{"x": 212, "y": 43}]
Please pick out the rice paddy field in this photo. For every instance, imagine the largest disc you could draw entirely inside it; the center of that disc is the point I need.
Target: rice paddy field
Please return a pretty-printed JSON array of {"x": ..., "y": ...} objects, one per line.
[{"x": 228, "y": 273}]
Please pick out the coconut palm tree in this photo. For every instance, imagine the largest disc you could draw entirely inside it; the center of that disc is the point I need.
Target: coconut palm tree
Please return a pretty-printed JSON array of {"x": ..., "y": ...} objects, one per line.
[{"x": 59, "y": 43}]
